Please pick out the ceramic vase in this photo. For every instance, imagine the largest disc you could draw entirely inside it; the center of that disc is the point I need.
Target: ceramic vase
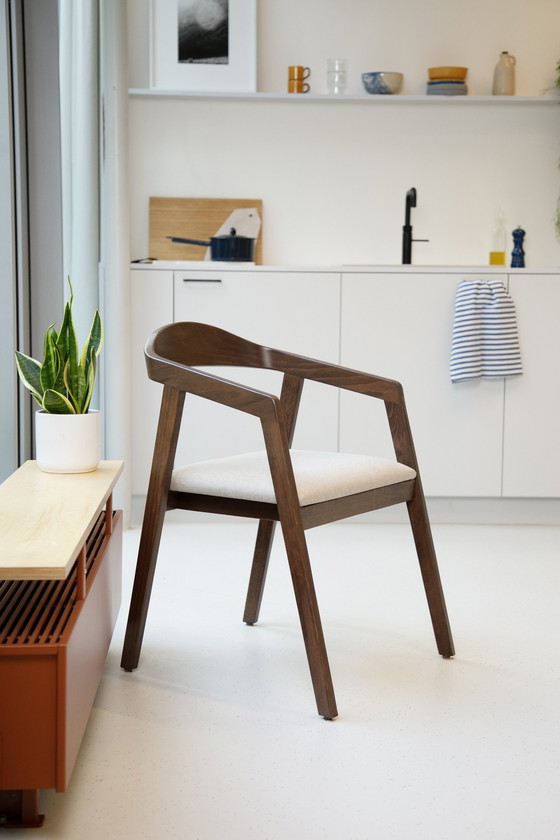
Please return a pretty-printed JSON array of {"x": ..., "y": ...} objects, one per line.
[
  {"x": 67, "y": 443},
  {"x": 504, "y": 76}
]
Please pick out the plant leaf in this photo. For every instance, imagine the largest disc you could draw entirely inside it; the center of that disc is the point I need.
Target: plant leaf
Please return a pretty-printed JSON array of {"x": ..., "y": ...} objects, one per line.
[
  {"x": 75, "y": 384},
  {"x": 90, "y": 380},
  {"x": 56, "y": 403},
  {"x": 51, "y": 361},
  {"x": 29, "y": 371},
  {"x": 94, "y": 340},
  {"x": 67, "y": 340},
  {"x": 74, "y": 376},
  {"x": 62, "y": 342}
]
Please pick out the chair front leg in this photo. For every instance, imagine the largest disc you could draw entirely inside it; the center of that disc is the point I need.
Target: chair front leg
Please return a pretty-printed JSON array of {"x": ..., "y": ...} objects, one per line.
[
  {"x": 154, "y": 514},
  {"x": 298, "y": 558},
  {"x": 257, "y": 580},
  {"x": 310, "y": 619}
]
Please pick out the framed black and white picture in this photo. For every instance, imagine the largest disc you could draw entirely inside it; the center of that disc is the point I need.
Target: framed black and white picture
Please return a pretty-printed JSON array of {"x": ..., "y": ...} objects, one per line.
[{"x": 203, "y": 45}]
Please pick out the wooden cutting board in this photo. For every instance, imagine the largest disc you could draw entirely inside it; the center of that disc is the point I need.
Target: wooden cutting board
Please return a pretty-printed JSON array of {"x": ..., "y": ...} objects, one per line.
[{"x": 193, "y": 218}]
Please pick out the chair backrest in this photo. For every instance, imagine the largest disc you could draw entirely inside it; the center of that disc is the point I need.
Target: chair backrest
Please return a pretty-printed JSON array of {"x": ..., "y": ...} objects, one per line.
[
  {"x": 174, "y": 352},
  {"x": 191, "y": 344}
]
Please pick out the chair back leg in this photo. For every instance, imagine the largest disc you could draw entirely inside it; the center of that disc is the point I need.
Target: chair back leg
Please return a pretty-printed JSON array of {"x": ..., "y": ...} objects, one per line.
[
  {"x": 259, "y": 568},
  {"x": 154, "y": 514},
  {"x": 425, "y": 550}
]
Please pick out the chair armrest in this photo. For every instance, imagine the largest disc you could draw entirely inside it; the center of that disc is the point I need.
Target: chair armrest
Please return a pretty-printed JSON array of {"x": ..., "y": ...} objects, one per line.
[
  {"x": 389, "y": 390},
  {"x": 211, "y": 387}
]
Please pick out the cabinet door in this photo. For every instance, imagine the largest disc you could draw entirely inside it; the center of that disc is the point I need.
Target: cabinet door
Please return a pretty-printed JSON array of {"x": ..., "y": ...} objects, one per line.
[
  {"x": 295, "y": 311},
  {"x": 400, "y": 326},
  {"x": 151, "y": 307},
  {"x": 532, "y": 403}
]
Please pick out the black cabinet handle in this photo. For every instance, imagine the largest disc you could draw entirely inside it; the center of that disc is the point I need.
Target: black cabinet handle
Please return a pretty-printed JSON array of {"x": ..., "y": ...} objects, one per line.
[{"x": 201, "y": 280}]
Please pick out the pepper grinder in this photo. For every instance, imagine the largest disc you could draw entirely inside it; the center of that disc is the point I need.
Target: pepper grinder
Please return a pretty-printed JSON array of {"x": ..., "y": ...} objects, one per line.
[{"x": 518, "y": 254}]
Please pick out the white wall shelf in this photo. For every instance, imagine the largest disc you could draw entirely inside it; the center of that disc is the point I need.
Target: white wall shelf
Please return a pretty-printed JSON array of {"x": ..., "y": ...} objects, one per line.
[{"x": 320, "y": 97}]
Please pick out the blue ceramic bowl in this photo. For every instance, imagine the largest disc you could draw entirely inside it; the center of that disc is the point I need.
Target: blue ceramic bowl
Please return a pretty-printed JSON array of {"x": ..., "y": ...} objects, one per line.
[{"x": 382, "y": 82}]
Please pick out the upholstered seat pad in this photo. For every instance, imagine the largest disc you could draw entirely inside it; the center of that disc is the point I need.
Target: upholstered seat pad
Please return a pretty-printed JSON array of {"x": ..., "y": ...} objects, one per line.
[{"x": 320, "y": 476}]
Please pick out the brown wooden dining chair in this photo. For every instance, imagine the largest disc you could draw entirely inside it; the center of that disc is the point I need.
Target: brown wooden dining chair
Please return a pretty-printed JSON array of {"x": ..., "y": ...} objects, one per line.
[{"x": 299, "y": 489}]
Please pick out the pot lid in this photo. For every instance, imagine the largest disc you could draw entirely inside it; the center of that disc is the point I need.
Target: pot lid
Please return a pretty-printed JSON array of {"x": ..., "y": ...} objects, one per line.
[{"x": 232, "y": 235}]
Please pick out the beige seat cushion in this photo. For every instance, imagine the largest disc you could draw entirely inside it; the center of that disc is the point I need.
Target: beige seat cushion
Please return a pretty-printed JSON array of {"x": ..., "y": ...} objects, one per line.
[{"x": 319, "y": 476}]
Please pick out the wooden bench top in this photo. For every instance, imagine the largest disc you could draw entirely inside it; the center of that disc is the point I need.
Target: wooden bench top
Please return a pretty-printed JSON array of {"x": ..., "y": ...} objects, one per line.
[{"x": 46, "y": 517}]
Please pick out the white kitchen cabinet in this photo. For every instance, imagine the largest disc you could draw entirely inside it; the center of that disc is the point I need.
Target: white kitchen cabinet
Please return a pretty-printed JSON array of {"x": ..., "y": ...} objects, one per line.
[
  {"x": 483, "y": 438},
  {"x": 296, "y": 311},
  {"x": 400, "y": 326},
  {"x": 532, "y": 401}
]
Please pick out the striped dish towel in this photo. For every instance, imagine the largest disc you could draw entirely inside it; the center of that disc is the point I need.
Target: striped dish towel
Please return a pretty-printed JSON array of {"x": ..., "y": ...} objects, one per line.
[{"x": 485, "y": 340}]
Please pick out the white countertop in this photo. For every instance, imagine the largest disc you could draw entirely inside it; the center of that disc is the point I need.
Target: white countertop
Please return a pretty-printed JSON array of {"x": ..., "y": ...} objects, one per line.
[{"x": 208, "y": 265}]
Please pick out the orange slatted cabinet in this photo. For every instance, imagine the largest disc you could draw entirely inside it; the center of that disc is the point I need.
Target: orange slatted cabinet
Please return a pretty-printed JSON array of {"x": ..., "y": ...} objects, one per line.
[{"x": 59, "y": 600}]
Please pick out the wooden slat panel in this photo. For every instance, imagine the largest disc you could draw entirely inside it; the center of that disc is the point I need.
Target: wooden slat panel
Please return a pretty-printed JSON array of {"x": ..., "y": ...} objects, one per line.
[
  {"x": 192, "y": 218},
  {"x": 36, "y": 612}
]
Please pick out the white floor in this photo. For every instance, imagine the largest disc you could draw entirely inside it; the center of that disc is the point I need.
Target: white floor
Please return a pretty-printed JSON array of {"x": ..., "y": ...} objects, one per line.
[{"x": 216, "y": 736}]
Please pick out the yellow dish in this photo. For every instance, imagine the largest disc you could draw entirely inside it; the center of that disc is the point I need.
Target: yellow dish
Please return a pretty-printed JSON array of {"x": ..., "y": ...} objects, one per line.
[{"x": 458, "y": 73}]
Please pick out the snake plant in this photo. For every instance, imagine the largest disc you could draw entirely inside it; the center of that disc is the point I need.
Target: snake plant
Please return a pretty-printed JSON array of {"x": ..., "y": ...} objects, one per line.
[{"x": 63, "y": 382}]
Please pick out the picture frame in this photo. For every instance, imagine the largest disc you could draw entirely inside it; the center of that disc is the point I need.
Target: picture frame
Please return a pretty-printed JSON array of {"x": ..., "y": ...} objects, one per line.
[{"x": 203, "y": 45}]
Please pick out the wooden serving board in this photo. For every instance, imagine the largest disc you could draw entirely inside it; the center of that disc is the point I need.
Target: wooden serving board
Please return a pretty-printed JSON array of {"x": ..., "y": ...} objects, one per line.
[{"x": 193, "y": 218}]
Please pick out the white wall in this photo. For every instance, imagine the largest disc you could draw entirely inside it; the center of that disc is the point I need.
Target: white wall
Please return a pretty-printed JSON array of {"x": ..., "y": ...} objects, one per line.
[{"x": 333, "y": 175}]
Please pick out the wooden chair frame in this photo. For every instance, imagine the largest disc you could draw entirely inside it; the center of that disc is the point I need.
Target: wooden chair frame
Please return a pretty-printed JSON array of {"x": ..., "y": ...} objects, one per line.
[{"x": 172, "y": 354}]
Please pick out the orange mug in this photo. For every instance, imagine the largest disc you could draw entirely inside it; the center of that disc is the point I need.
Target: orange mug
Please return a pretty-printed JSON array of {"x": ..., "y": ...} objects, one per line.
[
  {"x": 298, "y": 73},
  {"x": 297, "y": 86}
]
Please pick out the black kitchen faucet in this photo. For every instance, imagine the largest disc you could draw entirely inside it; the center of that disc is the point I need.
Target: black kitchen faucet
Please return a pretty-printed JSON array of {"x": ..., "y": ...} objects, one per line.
[
  {"x": 407, "y": 239},
  {"x": 407, "y": 227}
]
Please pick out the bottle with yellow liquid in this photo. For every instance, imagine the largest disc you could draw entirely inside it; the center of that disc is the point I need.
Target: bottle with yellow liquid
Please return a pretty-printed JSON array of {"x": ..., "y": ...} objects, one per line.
[{"x": 498, "y": 242}]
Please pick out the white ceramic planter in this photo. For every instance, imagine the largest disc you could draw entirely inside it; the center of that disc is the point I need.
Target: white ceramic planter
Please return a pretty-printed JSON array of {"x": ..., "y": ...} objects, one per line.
[{"x": 67, "y": 443}]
